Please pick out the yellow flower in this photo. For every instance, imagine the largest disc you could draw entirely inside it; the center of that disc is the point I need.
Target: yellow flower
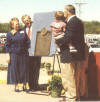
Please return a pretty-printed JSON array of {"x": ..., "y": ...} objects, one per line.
[
  {"x": 59, "y": 75},
  {"x": 48, "y": 88},
  {"x": 49, "y": 80},
  {"x": 63, "y": 92}
]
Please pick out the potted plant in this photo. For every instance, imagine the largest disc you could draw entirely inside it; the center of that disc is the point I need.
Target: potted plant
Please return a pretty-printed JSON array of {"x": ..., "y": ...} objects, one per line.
[
  {"x": 55, "y": 86},
  {"x": 48, "y": 66},
  {"x": 42, "y": 65},
  {"x": 49, "y": 70}
]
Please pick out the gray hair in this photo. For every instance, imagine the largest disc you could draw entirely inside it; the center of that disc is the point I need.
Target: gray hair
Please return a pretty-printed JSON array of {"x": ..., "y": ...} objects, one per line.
[{"x": 70, "y": 8}]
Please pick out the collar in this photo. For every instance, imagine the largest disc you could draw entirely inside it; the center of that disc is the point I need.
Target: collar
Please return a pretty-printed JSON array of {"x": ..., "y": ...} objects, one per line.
[
  {"x": 30, "y": 25},
  {"x": 70, "y": 17}
]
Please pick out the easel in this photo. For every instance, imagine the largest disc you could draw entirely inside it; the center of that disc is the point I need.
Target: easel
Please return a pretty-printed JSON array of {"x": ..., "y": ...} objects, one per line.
[{"x": 56, "y": 56}]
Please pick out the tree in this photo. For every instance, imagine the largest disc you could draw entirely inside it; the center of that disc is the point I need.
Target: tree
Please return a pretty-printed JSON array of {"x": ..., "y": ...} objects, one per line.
[
  {"x": 5, "y": 27},
  {"x": 92, "y": 27}
]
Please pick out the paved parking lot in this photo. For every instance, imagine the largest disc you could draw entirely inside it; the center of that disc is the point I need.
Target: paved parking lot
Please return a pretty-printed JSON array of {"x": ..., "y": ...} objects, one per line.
[{"x": 7, "y": 93}]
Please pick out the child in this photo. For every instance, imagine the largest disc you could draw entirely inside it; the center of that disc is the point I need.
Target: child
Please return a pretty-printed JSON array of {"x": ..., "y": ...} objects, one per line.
[{"x": 59, "y": 27}]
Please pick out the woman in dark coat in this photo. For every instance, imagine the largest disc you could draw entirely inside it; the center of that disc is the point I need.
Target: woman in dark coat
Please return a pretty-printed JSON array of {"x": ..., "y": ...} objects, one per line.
[{"x": 17, "y": 45}]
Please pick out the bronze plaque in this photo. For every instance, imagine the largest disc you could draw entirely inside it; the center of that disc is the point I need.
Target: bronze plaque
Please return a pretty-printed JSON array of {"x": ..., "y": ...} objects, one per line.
[{"x": 43, "y": 42}]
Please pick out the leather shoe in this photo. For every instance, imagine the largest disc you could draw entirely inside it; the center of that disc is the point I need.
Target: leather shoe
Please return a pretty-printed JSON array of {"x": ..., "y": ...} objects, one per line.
[
  {"x": 24, "y": 89},
  {"x": 17, "y": 90},
  {"x": 30, "y": 90}
]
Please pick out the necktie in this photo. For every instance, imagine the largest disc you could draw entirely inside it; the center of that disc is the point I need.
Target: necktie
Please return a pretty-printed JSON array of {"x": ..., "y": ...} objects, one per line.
[{"x": 28, "y": 33}]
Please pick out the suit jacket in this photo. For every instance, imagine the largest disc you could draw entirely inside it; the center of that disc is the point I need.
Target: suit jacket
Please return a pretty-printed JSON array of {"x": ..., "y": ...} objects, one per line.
[
  {"x": 74, "y": 34},
  {"x": 17, "y": 43}
]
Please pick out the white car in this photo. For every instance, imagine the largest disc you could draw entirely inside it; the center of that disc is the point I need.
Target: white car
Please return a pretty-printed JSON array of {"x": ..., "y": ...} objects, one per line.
[{"x": 94, "y": 48}]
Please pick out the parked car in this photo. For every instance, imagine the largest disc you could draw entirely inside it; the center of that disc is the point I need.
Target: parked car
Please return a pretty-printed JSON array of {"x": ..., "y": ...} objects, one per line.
[
  {"x": 2, "y": 48},
  {"x": 94, "y": 48}
]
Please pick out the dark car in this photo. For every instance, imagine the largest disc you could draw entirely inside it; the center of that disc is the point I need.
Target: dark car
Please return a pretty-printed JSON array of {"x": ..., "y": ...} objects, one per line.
[{"x": 2, "y": 48}]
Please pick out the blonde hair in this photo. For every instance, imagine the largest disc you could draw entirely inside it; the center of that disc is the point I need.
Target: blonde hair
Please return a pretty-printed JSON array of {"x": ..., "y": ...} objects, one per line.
[
  {"x": 23, "y": 17},
  {"x": 12, "y": 21},
  {"x": 59, "y": 15}
]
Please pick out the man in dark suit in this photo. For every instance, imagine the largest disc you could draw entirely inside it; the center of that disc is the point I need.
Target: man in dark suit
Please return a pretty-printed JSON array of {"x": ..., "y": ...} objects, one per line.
[
  {"x": 34, "y": 61},
  {"x": 71, "y": 61}
]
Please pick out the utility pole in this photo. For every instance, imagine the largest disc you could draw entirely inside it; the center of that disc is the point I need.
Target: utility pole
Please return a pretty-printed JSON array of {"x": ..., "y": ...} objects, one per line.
[{"x": 79, "y": 3}]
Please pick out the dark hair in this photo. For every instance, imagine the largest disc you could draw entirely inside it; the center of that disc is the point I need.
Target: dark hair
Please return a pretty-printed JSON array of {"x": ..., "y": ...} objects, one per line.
[{"x": 70, "y": 8}]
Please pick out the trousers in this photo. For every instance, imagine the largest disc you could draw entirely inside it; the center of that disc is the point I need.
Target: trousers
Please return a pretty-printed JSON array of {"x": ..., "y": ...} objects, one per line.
[{"x": 70, "y": 73}]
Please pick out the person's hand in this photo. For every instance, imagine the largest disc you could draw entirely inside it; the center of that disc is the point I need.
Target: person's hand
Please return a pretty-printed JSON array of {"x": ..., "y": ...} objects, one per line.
[
  {"x": 8, "y": 61},
  {"x": 8, "y": 58},
  {"x": 55, "y": 40}
]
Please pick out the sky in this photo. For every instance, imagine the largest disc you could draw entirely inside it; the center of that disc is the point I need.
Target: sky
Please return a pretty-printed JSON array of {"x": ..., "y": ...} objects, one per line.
[{"x": 16, "y": 8}]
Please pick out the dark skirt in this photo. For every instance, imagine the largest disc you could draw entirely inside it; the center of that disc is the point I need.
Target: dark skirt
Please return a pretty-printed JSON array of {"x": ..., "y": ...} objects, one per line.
[{"x": 17, "y": 69}]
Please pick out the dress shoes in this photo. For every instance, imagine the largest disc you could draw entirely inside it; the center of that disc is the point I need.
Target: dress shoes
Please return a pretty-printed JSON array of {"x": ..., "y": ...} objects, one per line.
[
  {"x": 24, "y": 88},
  {"x": 17, "y": 90},
  {"x": 66, "y": 99},
  {"x": 30, "y": 90}
]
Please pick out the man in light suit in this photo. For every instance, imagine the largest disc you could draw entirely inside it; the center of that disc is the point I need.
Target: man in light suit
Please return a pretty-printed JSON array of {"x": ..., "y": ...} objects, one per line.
[
  {"x": 34, "y": 61},
  {"x": 71, "y": 61}
]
